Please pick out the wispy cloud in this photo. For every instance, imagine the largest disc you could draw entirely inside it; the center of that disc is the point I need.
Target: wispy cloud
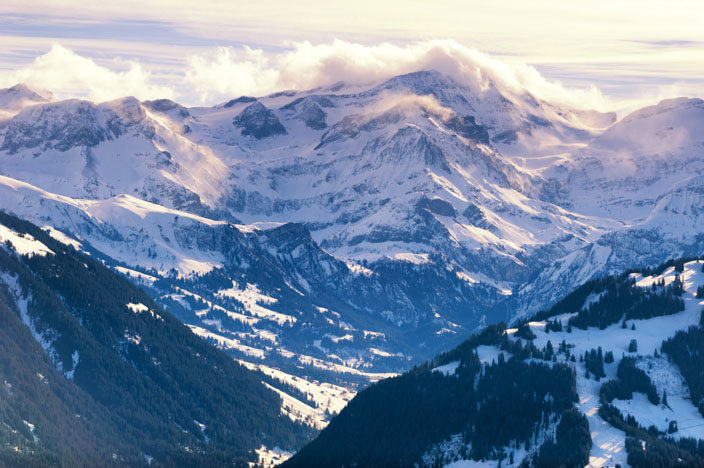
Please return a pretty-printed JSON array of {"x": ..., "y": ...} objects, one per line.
[
  {"x": 230, "y": 71},
  {"x": 226, "y": 72},
  {"x": 208, "y": 76}
]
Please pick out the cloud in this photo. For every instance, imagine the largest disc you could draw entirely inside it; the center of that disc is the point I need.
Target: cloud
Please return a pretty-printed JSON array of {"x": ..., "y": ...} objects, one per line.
[
  {"x": 232, "y": 72},
  {"x": 219, "y": 74},
  {"x": 69, "y": 75}
]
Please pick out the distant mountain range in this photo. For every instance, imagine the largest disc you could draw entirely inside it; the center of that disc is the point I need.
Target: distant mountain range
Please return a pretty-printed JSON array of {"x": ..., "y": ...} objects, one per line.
[{"x": 335, "y": 236}]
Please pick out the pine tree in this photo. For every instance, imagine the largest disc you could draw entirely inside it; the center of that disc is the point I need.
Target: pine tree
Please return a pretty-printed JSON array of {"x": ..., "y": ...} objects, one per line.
[
  {"x": 678, "y": 286},
  {"x": 633, "y": 346}
]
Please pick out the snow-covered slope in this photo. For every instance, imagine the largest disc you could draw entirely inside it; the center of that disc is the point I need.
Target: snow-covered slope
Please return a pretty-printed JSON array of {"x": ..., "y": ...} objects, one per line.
[
  {"x": 609, "y": 443},
  {"x": 422, "y": 207},
  {"x": 81, "y": 149},
  {"x": 637, "y": 386},
  {"x": 626, "y": 170}
]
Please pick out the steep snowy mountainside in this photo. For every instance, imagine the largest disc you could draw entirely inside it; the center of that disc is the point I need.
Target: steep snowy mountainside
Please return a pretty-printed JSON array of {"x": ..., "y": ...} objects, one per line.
[
  {"x": 361, "y": 187},
  {"x": 619, "y": 360},
  {"x": 372, "y": 203},
  {"x": 636, "y": 161},
  {"x": 80, "y": 149}
]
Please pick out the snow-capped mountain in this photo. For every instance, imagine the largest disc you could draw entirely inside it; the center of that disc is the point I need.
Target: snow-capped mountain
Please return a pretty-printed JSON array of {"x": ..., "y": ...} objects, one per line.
[
  {"x": 357, "y": 229},
  {"x": 644, "y": 173}
]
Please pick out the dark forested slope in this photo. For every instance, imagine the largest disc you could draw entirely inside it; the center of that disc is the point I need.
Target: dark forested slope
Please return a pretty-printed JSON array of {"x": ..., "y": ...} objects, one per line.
[{"x": 118, "y": 380}]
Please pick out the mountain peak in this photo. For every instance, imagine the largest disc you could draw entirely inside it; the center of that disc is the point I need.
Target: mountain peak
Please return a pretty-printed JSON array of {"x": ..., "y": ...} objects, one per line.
[
  {"x": 665, "y": 106},
  {"x": 23, "y": 89},
  {"x": 424, "y": 83},
  {"x": 19, "y": 96},
  {"x": 259, "y": 121}
]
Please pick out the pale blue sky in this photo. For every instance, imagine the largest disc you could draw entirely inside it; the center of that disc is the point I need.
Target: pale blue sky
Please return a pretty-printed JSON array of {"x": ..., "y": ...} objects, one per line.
[{"x": 632, "y": 51}]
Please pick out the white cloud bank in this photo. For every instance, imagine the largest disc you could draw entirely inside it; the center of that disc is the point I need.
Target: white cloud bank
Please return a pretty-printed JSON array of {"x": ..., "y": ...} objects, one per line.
[
  {"x": 224, "y": 73},
  {"x": 69, "y": 75},
  {"x": 232, "y": 72}
]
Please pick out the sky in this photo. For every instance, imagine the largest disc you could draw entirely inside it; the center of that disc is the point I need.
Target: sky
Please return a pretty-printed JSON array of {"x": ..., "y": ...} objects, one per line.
[{"x": 604, "y": 54}]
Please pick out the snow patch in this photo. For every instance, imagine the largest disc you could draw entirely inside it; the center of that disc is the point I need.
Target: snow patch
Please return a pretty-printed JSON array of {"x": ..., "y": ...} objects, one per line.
[
  {"x": 448, "y": 369},
  {"x": 488, "y": 354},
  {"x": 269, "y": 458},
  {"x": 140, "y": 308},
  {"x": 61, "y": 237},
  {"x": 31, "y": 429},
  {"x": 227, "y": 343},
  {"x": 416, "y": 258},
  {"x": 74, "y": 362},
  {"x": 23, "y": 244},
  {"x": 251, "y": 297}
]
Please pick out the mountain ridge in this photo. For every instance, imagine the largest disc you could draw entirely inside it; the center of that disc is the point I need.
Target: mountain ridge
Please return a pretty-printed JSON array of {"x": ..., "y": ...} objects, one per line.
[{"x": 424, "y": 208}]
